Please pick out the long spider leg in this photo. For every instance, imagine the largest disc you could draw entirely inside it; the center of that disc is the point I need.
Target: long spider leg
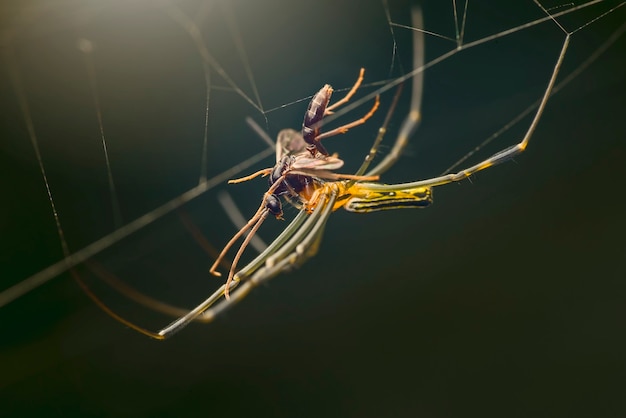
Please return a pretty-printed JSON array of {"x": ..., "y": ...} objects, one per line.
[
  {"x": 95, "y": 299},
  {"x": 198, "y": 313},
  {"x": 184, "y": 320},
  {"x": 293, "y": 246},
  {"x": 137, "y": 296},
  {"x": 503, "y": 155},
  {"x": 133, "y": 294},
  {"x": 413, "y": 119},
  {"x": 206, "y": 308},
  {"x": 348, "y": 96},
  {"x": 381, "y": 134},
  {"x": 302, "y": 245},
  {"x": 299, "y": 248},
  {"x": 243, "y": 246}
]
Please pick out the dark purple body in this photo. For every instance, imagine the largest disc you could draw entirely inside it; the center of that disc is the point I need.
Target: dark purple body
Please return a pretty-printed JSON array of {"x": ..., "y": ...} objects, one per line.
[{"x": 314, "y": 114}]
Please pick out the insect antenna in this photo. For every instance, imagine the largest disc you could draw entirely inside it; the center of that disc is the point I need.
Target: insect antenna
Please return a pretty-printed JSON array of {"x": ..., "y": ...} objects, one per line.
[
  {"x": 254, "y": 223},
  {"x": 243, "y": 246}
]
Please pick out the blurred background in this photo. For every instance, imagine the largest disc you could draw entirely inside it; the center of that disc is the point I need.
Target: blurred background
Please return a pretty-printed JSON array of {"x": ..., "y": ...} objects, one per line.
[{"x": 504, "y": 298}]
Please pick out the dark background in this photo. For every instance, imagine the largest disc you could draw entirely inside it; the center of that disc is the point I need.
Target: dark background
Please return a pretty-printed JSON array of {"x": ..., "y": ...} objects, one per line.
[{"x": 505, "y": 298}]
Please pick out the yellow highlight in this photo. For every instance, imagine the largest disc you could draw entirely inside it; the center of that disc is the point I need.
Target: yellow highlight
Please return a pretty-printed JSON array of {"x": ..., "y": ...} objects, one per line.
[{"x": 365, "y": 197}]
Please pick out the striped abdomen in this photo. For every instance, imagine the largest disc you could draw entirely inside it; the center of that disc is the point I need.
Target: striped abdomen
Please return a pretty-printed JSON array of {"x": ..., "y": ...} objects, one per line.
[{"x": 369, "y": 197}]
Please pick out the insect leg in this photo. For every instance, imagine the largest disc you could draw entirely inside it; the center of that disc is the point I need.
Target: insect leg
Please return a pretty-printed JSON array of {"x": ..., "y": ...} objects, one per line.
[
  {"x": 345, "y": 128},
  {"x": 347, "y": 97},
  {"x": 505, "y": 154}
]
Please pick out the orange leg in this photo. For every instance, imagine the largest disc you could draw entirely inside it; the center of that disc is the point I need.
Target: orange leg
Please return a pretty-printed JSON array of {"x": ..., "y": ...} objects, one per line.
[
  {"x": 347, "y": 97},
  {"x": 343, "y": 129}
]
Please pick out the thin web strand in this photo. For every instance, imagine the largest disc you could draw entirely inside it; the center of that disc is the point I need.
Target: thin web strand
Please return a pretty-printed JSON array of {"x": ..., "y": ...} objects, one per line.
[
  {"x": 87, "y": 48},
  {"x": 18, "y": 88},
  {"x": 73, "y": 259},
  {"x": 390, "y": 85},
  {"x": 369, "y": 96},
  {"x": 241, "y": 51},
  {"x": 196, "y": 36},
  {"x": 563, "y": 83},
  {"x": 394, "y": 49}
]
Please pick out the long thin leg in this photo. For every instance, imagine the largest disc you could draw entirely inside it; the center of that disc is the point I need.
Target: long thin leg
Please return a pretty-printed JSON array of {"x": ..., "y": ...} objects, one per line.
[
  {"x": 381, "y": 134},
  {"x": 345, "y": 128},
  {"x": 202, "y": 312},
  {"x": 297, "y": 243},
  {"x": 133, "y": 294},
  {"x": 499, "y": 157},
  {"x": 413, "y": 119},
  {"x": 347, "y": 97}
]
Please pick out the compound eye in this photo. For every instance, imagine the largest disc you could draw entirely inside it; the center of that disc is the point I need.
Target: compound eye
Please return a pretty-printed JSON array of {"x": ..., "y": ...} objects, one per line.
[{"x": 272, "y": 203}]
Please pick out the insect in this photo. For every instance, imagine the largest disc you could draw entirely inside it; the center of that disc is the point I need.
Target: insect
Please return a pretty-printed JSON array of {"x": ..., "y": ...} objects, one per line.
[
  {"x": 317, "y": 110},
  {"x": 303, "y": 165}
]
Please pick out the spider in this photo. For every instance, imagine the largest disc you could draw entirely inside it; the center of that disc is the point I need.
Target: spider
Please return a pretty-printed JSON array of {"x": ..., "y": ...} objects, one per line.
[{"x": 303, "y": 172}]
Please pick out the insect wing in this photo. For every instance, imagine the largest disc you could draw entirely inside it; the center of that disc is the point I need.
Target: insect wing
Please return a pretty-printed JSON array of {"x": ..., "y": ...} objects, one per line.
[
  {"x": 305, "y": 161},
  {"x": 289, "y": 142}
]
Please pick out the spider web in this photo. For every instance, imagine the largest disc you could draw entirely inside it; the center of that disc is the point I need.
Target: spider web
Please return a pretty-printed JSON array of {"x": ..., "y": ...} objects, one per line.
[
  {"x": 488, "y": 291},
  {"x": 133, "y": 116}
]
